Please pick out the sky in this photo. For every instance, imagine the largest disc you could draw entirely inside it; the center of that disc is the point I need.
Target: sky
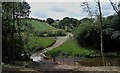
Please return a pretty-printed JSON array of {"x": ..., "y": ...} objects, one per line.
[{"x": 60, "y": 9}]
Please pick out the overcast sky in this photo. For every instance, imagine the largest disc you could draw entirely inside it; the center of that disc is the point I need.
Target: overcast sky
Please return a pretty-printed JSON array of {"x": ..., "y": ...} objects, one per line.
[{"x": 59, "y": 10}]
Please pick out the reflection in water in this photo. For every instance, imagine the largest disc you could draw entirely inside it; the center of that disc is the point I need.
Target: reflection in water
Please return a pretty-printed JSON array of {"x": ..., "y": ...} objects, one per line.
[
  {"x": 113, "y": 61},
  {"x": 98, "y": 61},
  {"x": 109, "y": 61}
]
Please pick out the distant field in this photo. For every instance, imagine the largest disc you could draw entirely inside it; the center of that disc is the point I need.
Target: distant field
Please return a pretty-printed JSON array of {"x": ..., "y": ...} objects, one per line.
[
  {"x": 41, "y": 26},
  {"x": 69, "y": 48},
  {"x": 40, "y": 42}
]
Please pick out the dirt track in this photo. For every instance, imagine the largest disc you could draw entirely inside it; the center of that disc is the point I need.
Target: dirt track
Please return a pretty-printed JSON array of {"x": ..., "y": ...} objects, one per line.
[{"x": 59, "y": 41}]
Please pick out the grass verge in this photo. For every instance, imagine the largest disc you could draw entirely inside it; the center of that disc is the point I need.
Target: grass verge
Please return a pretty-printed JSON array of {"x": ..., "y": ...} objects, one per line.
[{"x": 70, "y": 49}]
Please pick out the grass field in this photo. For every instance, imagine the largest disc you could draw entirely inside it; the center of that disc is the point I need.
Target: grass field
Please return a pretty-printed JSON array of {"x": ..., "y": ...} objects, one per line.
[
  {"x": 41, "y": 26},
  {"x": 43, "y": 42},
  {"x": 70, "y": 49}
]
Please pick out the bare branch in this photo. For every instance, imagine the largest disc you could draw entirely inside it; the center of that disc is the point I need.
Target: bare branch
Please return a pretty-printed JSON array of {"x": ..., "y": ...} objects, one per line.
[
  {"x": 86, "y": 7},
  {"x": 114, "y": 7},
  {"x": 95, "y": 1}
]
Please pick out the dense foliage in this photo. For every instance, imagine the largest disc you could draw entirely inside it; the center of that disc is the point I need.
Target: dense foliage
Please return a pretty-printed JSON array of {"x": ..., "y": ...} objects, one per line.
[
  {"x": 50, "y": 20},
  {"x": 88, "y": 33},
  {"x": 12, "y": 26}
]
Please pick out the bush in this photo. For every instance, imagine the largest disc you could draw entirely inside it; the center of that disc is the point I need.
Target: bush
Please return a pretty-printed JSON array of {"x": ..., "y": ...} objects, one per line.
[
  {"x": 61, "y": 33},
  {"x": 40, "y": 33},
  {"x": 87, "y": 35},
  {"x": 55, "y": 24},
  {"x": 52, "y": 33}
]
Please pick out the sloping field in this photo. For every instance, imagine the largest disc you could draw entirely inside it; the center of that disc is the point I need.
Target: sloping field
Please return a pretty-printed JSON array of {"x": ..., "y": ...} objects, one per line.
[{"x": 41, "y": 26}]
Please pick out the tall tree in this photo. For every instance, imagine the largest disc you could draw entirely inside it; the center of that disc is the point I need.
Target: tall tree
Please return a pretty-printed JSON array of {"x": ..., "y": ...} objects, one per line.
[
  {"x": 13, "y": 12},
  {"x": 101, "y": 30},
  {"x": 86, "y": 7}
]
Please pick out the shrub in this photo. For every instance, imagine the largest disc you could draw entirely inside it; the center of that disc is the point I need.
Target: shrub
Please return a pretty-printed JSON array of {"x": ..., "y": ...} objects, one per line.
[
  {"x": 61, "y": 33},
  {"x": 87, "y": 35}
]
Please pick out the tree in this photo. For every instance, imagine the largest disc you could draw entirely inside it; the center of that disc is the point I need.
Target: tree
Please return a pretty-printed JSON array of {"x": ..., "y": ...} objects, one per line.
[
  {"x": 12, "y": 23},
  {"x": 50, "y": 20},
  {"x": 87, "y": 8},
  {"x": 68, "y": 23},
  {"x": 101, "y": 30}
]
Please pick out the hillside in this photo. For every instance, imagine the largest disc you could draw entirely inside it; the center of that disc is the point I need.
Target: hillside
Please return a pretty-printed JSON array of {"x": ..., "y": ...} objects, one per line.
[{"x": 41, "y": 26}]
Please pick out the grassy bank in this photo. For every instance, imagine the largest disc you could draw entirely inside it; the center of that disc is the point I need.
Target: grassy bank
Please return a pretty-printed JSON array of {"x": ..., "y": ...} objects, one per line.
[
  {"x": 43, "y": 42},
  {"x": 70, "y": 49}
]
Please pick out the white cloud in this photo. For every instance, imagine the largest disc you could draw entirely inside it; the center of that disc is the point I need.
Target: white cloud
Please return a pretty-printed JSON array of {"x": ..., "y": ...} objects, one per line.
[{"x": 58, "y": 10}]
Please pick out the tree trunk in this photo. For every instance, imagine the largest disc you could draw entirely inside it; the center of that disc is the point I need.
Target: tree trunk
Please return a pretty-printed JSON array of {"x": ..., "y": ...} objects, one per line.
[
  {"x": 12, "y": 36},
  {"x": 101, "y": 32}
]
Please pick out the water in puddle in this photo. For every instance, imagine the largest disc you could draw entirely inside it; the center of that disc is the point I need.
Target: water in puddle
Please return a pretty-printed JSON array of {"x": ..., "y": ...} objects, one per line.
[
  {"x": 109, "y": 61},
  {"x": 99, "y": 61}
]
